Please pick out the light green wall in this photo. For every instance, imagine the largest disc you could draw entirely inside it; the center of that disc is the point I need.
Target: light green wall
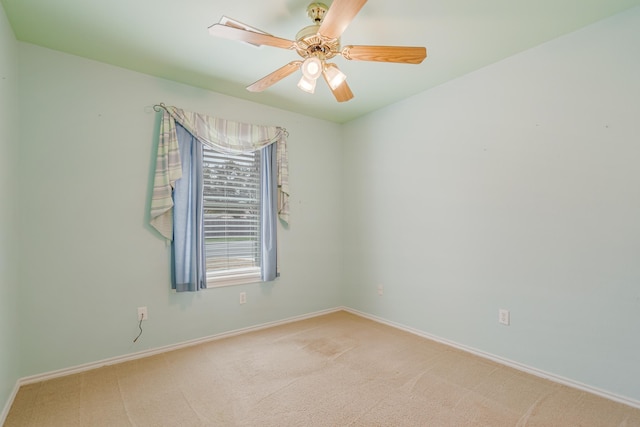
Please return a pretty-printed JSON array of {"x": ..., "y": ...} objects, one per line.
[
  {"x": 513, "y": 187},
  {"x": 89, "y": 259},
  {"x": 9, "y": 355}
]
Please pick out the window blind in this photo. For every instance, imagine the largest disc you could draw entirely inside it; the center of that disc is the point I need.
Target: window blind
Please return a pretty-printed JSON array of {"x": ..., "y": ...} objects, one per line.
[{"x": 231, "y": 216}]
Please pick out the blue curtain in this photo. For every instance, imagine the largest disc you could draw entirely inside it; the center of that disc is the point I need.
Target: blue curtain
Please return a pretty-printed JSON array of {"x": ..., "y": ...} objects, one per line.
[
  {"x": 269, "y": 201},
  {"x": 189, "y": 270}
]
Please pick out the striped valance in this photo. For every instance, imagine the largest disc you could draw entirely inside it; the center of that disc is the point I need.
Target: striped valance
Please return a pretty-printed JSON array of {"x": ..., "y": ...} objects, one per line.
[{"x": 222, "y": 135}]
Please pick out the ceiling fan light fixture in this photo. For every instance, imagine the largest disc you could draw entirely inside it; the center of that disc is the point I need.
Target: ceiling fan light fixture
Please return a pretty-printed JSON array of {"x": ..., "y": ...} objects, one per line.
[
  {"x": 312, "y": 68},
  {"x": 307, "y": 85},
  {"x": 334, "y": 76}
]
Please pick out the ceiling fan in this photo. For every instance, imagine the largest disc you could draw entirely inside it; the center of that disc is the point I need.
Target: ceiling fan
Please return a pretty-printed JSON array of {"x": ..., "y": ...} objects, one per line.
[{"x": 316, "y": 44}]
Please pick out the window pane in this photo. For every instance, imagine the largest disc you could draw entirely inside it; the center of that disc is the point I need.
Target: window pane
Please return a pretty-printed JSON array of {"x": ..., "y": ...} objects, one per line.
[{"x": 232, "y": 216}]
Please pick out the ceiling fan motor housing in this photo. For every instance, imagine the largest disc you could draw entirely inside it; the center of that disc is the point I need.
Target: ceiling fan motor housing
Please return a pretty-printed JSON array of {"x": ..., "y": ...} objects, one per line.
[{"x": 310, "y": 43}]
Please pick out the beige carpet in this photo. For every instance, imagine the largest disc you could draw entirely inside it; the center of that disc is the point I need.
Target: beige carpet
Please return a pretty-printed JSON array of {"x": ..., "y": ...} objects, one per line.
[{"x": 333, "y": 370}]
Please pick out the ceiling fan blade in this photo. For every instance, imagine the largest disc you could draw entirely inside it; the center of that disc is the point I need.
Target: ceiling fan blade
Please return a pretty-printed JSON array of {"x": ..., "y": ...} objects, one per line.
[
  {"x": 339, "y": 16},
  {"x": 274, "y": 77},
  {"x": 234, "y": 33},
  {"x": 402, "y": 54},
  {"x": 343, "y": 92}
]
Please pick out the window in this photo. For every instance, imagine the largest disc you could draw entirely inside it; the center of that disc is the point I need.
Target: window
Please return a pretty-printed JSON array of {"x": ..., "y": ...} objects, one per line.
[
  {"x": 242, "y": 197},
  {"x": 232, "y": 191}
]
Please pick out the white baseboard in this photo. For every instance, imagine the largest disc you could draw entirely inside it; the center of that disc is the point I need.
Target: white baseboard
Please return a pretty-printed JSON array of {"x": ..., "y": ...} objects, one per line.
[{"x": 510, "y": 363}]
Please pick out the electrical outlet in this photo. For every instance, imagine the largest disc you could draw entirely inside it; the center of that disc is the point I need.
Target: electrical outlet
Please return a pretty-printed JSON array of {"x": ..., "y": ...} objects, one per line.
[
  {"x": 380, "y": 290},
  {"x": 504, "y": 317},
  {"x": 142, "y": 313},
  {"x": 243, "y": 297}
]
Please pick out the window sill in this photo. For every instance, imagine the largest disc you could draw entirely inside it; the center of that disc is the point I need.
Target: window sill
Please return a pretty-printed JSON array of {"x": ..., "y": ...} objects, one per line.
[{"x": 236, "y": 279}]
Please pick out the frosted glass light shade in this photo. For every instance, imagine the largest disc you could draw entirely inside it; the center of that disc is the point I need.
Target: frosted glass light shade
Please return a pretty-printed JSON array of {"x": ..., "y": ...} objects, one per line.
[
  {"x": 307, "y": 85},
  {"x": 311, "y": 68},
  {"x": 334, "y": 76}
]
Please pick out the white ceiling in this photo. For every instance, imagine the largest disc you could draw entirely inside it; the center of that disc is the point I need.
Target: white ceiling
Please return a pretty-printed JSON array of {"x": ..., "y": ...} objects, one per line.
[{"x": 169, "y": 39}]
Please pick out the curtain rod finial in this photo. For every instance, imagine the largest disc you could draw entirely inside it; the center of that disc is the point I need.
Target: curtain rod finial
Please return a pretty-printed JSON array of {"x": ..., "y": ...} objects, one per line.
[{"x": 159, "y": 107}]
